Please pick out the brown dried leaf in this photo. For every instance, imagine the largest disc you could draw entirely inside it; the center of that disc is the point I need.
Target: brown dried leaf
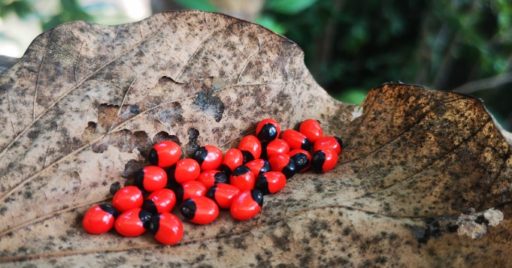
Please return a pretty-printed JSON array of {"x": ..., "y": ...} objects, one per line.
[{"x": 87, "y": 99}]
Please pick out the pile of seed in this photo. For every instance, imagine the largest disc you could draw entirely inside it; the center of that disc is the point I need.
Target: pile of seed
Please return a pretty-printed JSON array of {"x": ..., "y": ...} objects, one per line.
[{"x": 212, "y": 180}]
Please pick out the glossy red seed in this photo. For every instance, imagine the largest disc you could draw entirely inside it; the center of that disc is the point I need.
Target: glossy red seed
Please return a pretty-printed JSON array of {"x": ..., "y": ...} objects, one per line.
[
  {"x": 296, "y": 140},
  {"x": 328, "y": 143},
  {"x": 246, "y": 205},
  {"x": 311, "y": 129},
  {"x": 283, "y": 163},
  {"x": 211, "y": 177},
  {"x": 233, "y": 159},
  {"x": 186, "y": 169},
  {"x": 151, "y": 178},
  {"x": 277, "y": 146},
  {"x": 200, "y": 210},
  {"x": 131, "y": 223},
  {"x": 324, "y": 160},
  {"x": 258, "y": 166},
  {"x": 223, "y": 194},
  {"x": 193, "y": 189},
  {"x": 165, "y": 154},
  {"x": 279, "y": 161},
  {"x": 209, "y": 157},
  {"x": 160, "y": 201},
  {"x": 271, "y": 182},
  {"x": 98, "y": 220},
  {"x": 250, "y": 145},
  {"x": 127, "y": 198},
  {"x": 242, "y": 178},
  {"x": 170, "y": 229}
]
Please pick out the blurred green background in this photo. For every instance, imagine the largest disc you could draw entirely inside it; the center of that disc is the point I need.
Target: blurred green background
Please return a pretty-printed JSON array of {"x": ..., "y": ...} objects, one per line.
[{"x": 350, "y": 46}]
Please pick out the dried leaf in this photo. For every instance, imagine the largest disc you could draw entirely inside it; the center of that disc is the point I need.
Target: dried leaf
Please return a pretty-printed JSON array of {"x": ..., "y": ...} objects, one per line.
[{"x": 84, "y": 104}]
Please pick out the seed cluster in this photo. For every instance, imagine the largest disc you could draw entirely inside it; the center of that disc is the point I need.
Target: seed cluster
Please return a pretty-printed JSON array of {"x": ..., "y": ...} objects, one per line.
[{"x": 210, "y": 180}]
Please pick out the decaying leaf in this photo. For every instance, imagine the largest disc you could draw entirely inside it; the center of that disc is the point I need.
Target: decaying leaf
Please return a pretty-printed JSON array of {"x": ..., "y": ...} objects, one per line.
[{"x": 81, "y": 108}]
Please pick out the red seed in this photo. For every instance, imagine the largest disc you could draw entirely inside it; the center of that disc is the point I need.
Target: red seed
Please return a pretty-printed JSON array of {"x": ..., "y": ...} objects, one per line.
[
  {"x": 167, "y": 228},
  {"x": 200, "y": 210},
  {"x": 246, "y": 205},
  {"x": 99, "y": 219},
  {"x": 127, "y": 198},
  {"x": 223, "y": 194},
  {"x": 311, "y": 129},
  {"x": 165, "y": 154}
]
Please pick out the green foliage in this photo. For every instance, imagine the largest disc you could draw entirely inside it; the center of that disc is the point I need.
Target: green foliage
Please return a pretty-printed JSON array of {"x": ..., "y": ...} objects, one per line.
[
  {"x": 70, "y": 10},
  {"x": 21, "y": 8},
  {"x": 203, "y": 5},
  {"x": 270, "y": 23},
  {"x": 288, "y": 6},
  {"x": 504, "y": 10},
  {"x": 352, "y": 95}
]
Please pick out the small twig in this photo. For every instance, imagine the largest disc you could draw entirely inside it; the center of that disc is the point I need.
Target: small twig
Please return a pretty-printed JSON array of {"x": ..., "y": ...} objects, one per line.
[
  {"x": 45, "y": 156},
  {"x": 76, "y": 65},
  {"x": 34, "y": 102},
  {"x": 485, "y": 84},
  {"x": 124, "y": 96},
  {"x": 12, "y": 126}
]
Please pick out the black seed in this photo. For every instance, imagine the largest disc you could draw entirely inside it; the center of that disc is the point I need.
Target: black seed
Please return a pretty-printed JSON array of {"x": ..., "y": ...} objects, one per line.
[
  {"x": 241, "y": 170},
  {"x": 247, "y": 156},
  {"x": 145, "y": 218},
  {"x": 149, "y": 206},
  {"x": 317, "y": 161},
  {"x": 289, "y": 170},
  {"x": 307, "y": 145},
  {"x": 262, "y": 184},
  {"x": 257, "y": 196},
  {"x": 188, "y": 209},
  {"x": 200, "y": 154},
  {"x": 153, "y": 157},
  {"x": 301, "y": 161},
  {"x": 109, "y": 209},
  {"x": 221, "y": 177},
  {"x": 267, "y": 133}
]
